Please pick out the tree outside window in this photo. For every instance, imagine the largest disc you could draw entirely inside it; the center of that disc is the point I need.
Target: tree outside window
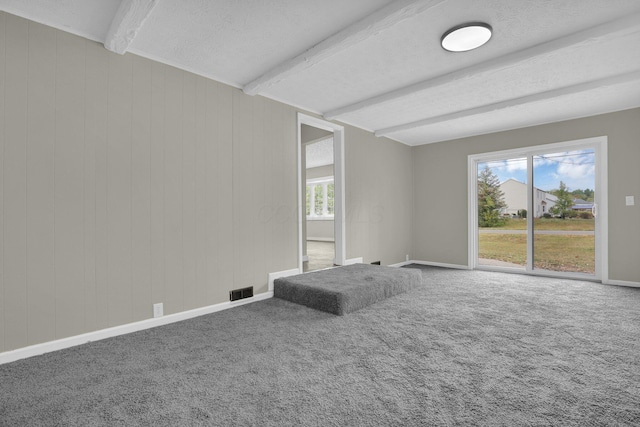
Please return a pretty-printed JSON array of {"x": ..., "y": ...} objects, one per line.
[{"x": 490, "y": 199}]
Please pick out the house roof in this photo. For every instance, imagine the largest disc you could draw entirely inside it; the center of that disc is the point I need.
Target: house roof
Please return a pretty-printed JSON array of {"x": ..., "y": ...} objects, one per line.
[
  {"x": 378, "y": 64},
  {"x": 582, "y": 206}
]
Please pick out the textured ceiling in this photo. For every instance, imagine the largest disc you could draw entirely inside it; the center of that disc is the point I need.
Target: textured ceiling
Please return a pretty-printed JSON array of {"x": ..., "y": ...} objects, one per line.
[
  {"x": 319, "y": 153},
  {"x": 377, "y": 64}
]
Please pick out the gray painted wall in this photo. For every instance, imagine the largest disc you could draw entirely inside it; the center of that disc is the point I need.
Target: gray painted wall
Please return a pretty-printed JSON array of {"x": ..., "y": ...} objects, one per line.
[
  {"x": 379, "y": 197},
  {"x": 440, "y": 187},
  {"x": 310, "y": 133},
  {"x": 126, "y": 182},
  {"x": 321, "y": 230},
  {"x": 319, "y": 172}
]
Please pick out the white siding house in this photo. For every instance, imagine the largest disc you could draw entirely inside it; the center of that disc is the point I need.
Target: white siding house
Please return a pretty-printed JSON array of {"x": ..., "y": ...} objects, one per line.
[{"x": 515, "y": 196}]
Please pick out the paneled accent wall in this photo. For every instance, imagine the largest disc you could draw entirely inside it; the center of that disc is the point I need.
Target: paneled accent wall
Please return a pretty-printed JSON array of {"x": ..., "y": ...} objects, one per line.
[
  {"x": 125, "y": 182},
  {"x": 379, "y": 197}
]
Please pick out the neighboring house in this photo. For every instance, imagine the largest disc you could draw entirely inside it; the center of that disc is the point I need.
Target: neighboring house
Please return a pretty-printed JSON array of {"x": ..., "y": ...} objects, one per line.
[
  {"x": 582, "y": 205},
  {"x": 515, "y": 196}
]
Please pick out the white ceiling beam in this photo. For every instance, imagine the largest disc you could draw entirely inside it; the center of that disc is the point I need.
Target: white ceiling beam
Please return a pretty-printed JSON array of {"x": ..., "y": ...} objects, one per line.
[
  {"x": 585, "y": 37},
  {"x": 515, "y": 102},
  {"x": 367, "y": 27},
  {"x": 126, "y": 24}
]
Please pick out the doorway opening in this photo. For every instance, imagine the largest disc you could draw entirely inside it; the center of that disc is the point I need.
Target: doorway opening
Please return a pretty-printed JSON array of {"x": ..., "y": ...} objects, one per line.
[
  {"x": 320, "y": 194},
  {"x": 540, "y": 210}
]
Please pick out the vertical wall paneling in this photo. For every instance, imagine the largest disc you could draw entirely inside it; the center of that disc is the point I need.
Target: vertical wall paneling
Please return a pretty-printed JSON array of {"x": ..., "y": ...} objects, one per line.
[
  {"x": 191, "y": 298},
  {"x": 40, "y": 184},
  {"x": 95, "y": 189},
  {"x": 267, "y": 212},
  {"x": 173, "y": 197},
  {"x": 354, "y": 208},
  {"x": 3, "y": 61},
  {"x": 119, "y": 199},
  {"x": 211, "y": 201},
  {"x": 91, "y": 97},
  {"x": 141, "y": 189},
  {"x": 69, "y": 191},
  {"x": 201, "y": 190},
  {"x": 378, "y": 213},
  {"x": 220, "y": 244},
  {"x": 15, "y": 182},
  {"x": 224, "y": 188},
  {"x": 287, "y": 191},
  {"x": 279, "y": 214},
  {"x": 261, "y": 180},
  {"x": 243, "y": 206},
  {"x": 212, "y": 181},
  {"x": 156, "y": 156},
  {"x": 126, "y": 182}
]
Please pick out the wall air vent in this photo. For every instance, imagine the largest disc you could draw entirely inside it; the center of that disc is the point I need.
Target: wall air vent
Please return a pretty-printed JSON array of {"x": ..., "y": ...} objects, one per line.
[{"x": 237, "y": 294}]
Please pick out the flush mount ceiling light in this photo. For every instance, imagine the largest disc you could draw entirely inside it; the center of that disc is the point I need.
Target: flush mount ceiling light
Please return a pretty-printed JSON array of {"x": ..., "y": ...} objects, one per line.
[{"x": 462, "y": 38}]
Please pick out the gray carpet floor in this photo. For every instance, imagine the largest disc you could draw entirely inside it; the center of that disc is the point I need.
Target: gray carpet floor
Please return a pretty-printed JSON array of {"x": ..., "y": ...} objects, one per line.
[{"x": 466, "y": 348}]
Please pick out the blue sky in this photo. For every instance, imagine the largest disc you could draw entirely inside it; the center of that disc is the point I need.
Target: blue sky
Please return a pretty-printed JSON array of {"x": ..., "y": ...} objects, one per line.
[{"x": 575, "y": 168}]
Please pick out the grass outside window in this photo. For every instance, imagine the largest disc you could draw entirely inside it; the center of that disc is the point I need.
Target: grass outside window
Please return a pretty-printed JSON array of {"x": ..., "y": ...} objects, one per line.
[{"x": 554, "y": 252}]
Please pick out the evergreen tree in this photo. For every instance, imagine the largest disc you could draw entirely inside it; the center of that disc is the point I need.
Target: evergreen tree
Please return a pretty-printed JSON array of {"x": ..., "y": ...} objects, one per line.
[
  {"x": 490, "y": 199},
  {"x": 565, "y": 201}
]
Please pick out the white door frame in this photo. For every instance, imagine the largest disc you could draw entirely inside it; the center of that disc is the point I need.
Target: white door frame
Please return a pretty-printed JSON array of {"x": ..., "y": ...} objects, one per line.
[
  {"x": 339, "y": 218},
  {"x": 599, "y": 145}
]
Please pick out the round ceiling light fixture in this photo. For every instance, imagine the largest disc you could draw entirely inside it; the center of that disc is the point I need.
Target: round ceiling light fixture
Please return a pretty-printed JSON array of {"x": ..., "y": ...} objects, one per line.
[{"x": 469, "y": 36}]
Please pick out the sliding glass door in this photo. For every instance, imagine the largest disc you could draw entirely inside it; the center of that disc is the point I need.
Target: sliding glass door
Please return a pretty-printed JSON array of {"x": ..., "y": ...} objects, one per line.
[{"x": 539, "y": 210}]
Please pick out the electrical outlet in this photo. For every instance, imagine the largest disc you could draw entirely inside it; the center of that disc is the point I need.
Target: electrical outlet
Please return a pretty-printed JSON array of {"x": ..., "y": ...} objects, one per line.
[
  {"x": 158, "y": 310},
  {"x": 630, "y": 200},
  {"x": 407, "y": 258}
]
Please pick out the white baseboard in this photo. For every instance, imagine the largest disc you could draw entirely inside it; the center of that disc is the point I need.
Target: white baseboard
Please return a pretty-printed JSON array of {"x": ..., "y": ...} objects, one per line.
[
  {"x": 621, "y": 283},
  {"x": 47, "y": 347},
  {"x": 400, "y": 264},
  {"x": 359, "y": 260},
  {"x": 278, "y": 274}
]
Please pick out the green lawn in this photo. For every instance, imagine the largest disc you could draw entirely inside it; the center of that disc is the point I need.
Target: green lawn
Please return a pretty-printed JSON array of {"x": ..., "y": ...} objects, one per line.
[
  {"x": 573, "y": 224},
  {"x": 551, "y": 252}
]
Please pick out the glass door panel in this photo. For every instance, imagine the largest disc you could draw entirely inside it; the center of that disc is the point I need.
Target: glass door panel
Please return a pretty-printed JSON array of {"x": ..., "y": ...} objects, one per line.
[
  {"x": 563, "y": 208},
  {"x": 502, "y": 213}
]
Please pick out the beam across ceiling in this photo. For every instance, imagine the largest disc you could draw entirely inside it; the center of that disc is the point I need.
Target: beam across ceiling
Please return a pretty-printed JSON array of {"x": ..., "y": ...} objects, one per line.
[
  {"x": 536, "y": 97},
  {"x": 126, "y": 24},
  {"x": 585, "y": 37},
  {"x": 383, "y": 18}
]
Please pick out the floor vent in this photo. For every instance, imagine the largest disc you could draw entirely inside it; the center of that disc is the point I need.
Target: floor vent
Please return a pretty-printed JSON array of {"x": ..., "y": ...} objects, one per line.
[{"x": 237, "y": 294}]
